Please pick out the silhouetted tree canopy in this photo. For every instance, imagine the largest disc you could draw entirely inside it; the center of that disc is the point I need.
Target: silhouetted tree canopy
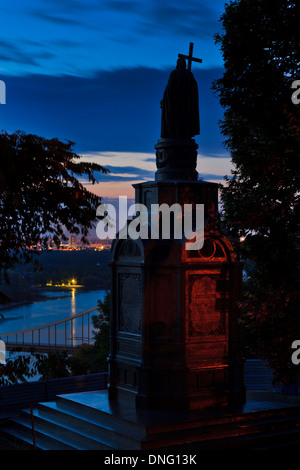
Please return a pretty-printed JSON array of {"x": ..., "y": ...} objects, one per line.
[
  {"x": 41, "y": 196},
  {"x": 260, "y": 45}
]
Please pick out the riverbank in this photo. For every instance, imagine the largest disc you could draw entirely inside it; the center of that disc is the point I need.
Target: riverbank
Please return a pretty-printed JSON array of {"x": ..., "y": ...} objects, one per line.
[
  {"x": 58, "y": 268},
  {"x": 54, "y": 305},
  {"x": 42, "y": 296},
  {"x": 37, "y": 298}
]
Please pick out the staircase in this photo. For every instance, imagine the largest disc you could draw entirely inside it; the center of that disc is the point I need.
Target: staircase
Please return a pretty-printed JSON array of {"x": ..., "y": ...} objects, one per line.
[
  {"x": 85, "y": 421},
  {"x": 65, "y": 425}
]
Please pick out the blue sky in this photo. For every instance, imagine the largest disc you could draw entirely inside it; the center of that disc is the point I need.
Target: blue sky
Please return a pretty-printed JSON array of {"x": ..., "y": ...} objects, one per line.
[{"x": 94, "y": 72}]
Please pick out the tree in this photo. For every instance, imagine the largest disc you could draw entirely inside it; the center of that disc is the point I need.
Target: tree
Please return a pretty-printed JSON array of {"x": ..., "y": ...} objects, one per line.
[
  {"x": 41, "y": 196},
  {"x": 16, "y": 370},
  {"x": 260, "y": 46},
  {"x": 102, "y": 326},
  {"x": 51, "y": 365}
]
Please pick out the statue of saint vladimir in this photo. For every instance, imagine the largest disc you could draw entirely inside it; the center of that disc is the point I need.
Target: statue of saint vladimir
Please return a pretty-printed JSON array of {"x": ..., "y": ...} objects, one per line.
[{"x": 180, "y": 104}]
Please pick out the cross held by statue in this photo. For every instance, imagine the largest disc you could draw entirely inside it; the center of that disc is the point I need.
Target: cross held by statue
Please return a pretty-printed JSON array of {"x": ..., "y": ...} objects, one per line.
[{"x": 190, "y": 57}]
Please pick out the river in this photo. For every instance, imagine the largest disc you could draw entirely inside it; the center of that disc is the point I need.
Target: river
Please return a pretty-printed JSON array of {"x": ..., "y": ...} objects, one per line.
[{"x": 58, "y": 304}]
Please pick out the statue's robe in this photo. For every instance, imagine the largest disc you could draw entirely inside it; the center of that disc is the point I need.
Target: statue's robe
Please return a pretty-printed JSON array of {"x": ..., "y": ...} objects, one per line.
[{"x": 180, "y": 106}]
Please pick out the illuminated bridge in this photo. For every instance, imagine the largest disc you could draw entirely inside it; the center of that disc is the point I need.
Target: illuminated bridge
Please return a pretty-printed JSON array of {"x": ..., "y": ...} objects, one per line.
[{"x": 62, "y": 335}]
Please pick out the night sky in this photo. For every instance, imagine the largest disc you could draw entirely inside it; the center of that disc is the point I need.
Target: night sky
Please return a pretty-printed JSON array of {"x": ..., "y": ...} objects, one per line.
[{"x": 94, "y": 72}]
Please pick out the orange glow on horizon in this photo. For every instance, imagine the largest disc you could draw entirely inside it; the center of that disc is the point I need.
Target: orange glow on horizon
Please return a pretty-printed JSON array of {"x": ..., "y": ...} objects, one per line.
[
  {"x": 219, "y": 165},
  {"x": 112, "y": 189}
]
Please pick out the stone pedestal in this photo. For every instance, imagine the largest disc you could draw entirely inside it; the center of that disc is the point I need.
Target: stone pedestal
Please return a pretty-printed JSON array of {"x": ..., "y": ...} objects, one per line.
[
  {"x": 176, "y": 159},
  {"x": 174, "y": 330}
]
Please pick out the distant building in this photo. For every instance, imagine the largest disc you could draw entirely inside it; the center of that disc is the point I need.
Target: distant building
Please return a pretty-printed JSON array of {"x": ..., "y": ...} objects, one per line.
[{"x": 72, "y": 241}]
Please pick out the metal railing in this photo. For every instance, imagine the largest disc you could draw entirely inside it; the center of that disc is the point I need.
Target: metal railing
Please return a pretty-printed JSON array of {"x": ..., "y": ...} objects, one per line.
[{"x": 64, "y": 334}]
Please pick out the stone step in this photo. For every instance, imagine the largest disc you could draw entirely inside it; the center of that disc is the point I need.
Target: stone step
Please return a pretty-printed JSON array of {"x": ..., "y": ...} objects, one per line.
[
  {"x": 73, "y": 432},
  {"x": 253, "y": 441},
  {"x": 158, "y": 432},
  {"x": 86, "y": 421},
  {"x": 16, "y": 431},
  {"x": 50, "y": 434},
  {"x": 100, "y": 430},
  {"x": 229, "y": 434},
  {"x": 93, "y": 406}
]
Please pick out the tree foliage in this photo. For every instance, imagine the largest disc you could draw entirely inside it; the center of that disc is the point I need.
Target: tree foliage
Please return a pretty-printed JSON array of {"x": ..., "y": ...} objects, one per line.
[
  {"x": 41, "y": 195},
  {"x": 17, "y": 370},
  {"x": 261, "y": 125}
]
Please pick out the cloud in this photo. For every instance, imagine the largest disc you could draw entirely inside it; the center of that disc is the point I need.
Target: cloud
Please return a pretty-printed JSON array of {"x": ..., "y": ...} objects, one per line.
[
  {"x": 123, "y": 173},
  {"x": 25, "y": 54},
  {"x": 132, "y": 167},
  {"x": 69, "y": 5},
  {"x": 109, "y": 33},
  {"x": 210, "y": 177},
  {"x": 110, "y": 111},
  {"x": 192, "y": 18},
  {"x": 129, "y": 169},
  {"x": 119, "y": 6},
  {"x": 65, "y": 43},
  {"x": 10, "y": 52},
  {"x": 58, "y": 20}
]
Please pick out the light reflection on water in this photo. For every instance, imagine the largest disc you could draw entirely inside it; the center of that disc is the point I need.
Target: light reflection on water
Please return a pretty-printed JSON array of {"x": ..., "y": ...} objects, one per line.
[
  {"x": 61, "y": 305},
  {"x": 73, "y": 302},
  {"x": 73, "y": 312}
]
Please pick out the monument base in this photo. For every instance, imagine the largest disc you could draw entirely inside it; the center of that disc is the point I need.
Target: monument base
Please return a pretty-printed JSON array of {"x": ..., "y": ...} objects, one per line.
[
  {"x": 176, "y": 159},
  {"x": 175, "y": 339},
  {"x": 141, "y": 401},
  {"x": 95, "y": 422},
  {"x": 91, "y": 421}
]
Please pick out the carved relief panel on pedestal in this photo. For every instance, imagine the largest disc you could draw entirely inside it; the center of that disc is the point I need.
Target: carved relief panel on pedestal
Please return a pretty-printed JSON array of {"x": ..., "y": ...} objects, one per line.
[
  {"x": 130, "y": 302},
  {"x": 206, "y": 315}
]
